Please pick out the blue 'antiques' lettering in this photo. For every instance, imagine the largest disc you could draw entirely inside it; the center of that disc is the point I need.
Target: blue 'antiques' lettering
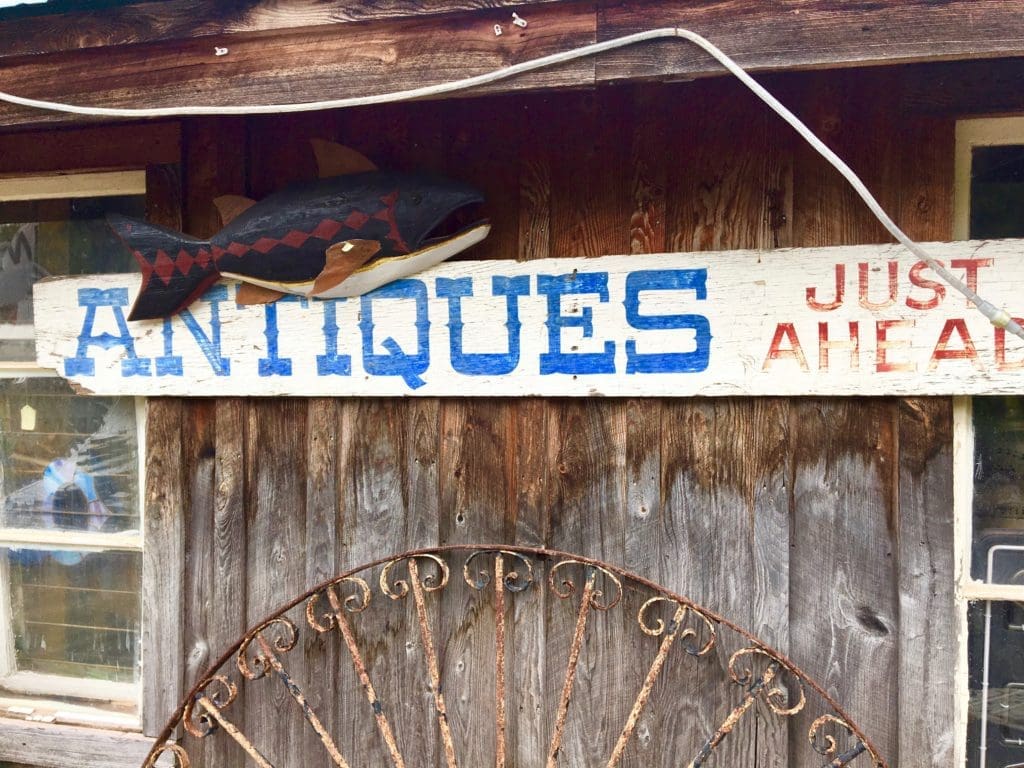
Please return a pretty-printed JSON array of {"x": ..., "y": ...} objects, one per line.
[
  {"x": 566, "y": 304},
  {"x": 695, "y": 280},
  {"x": 330, "y": 363},
  {"x": 273, "y": 364},
  {"x": 397, "y": 362},
  {"x": 83, "y": 365},
  {"x": 170, "y": 364},
  {"x": 573, "y": 284},
  {"x": 484, "y": 364}
]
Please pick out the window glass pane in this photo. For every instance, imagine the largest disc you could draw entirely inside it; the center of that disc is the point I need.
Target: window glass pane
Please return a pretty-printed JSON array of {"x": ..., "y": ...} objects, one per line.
[
  {"x": 996, "y": 710},
  {"x": 76, "y": 613},
  {"x": 53, "y": 237},
  {"x": 68, "y": 462},
  {"x": 997, "y": 191}
]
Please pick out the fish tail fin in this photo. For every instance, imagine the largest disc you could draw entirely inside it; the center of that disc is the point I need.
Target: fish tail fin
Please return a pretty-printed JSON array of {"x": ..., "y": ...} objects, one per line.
[{"x": 176, "y": 268}]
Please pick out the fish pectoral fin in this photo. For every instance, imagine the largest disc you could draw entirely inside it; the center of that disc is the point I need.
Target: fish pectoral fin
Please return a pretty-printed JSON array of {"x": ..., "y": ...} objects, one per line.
[
  {"x": 342, "y": 260},
  {"x": 249, "y": 294},
  {"x": 230, "y": 207},
  {"x": 333, "y": 159}
]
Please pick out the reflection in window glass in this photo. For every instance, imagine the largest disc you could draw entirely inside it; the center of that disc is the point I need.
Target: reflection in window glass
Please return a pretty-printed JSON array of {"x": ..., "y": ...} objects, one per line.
[
  {"x": 996, "y": 710},
  {"x": 996, "y": 629},
  {"x": 75, "y": 613},
  {"x": 68, "y": 462},
  {"x": 997, "y": 191},
  {"x": 53, "y": 237}
]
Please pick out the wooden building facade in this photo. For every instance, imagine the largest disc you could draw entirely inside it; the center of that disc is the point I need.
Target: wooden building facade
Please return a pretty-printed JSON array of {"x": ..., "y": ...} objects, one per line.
[{"x": 825, "y": 526}]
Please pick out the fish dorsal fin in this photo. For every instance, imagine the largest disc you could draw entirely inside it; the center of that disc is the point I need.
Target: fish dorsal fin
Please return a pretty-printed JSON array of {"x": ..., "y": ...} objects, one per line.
[
  {"x": 342, "y": 260},
  {"x": 333, "y": 159},
  {"x": 249, "y": 294},
  {"x": 230, "y": 207}
]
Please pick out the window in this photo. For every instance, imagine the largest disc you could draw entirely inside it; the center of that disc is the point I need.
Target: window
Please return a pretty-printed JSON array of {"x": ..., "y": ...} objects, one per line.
[
  {"x": 70, "y": 522},
  {"x": 990, "y": 474}
]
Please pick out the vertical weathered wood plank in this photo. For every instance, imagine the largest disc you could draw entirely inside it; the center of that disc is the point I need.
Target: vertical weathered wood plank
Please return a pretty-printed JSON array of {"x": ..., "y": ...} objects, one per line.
[
  {"x": 321, "y": 652},
  {"x": 728, "y": 187},
  {"x": 928, "y": 609},
  {"x": 590, "y": 212},
  {"x": 844, "y": 614},
  {"x": 528, "y": 455},
  {"x": 845, "y": 474},
  {"x": 163, "y": 566},
  {"x": 275, "y": 451},
  {"x": 928, "y": 653}
]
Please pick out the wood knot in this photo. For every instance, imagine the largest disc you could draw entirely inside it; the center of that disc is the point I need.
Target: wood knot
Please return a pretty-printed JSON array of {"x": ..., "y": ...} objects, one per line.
[{"x": 871, "y": 621}]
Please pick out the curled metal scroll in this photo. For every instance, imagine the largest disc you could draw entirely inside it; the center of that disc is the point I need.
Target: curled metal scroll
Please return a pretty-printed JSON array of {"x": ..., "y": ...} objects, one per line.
[
  {"x": 255, "y": 665},
  {"x": 664, "y": 624},
  {"x": 356, "y": 601},
  {"x": 398, "y": 588},
  {"x": 181, "y": 759},
  {"x": 513, "y": 580},
  {"x": 218, "y": 691},
  {"x": 775, "y": 695},
  {"x": 827, "y": 745},
  {"x": 677, "y": 625},
  {"x": 565, "y": 587}
]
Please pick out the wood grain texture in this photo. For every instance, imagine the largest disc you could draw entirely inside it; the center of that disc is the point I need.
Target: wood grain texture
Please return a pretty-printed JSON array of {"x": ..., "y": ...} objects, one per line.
[
  {"x": 163, "y": 565},
  {"x": 349, "y": 60},
  {"x": 179, "y": 19},
  {"x": 43, "y": 745},
  {"x": 844, "y": 626},
  {"x": 807, "y": 33},
  {"x": 928, "y": 651},
  {"x": 276, "y": 55},
  {"x": 131, "y": 145},
  {"x": 965, "y": 88}
]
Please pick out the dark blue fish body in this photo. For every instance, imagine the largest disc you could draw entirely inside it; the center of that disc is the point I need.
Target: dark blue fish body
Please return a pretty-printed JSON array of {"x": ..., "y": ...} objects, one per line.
[{"x": 285, "y": 242}]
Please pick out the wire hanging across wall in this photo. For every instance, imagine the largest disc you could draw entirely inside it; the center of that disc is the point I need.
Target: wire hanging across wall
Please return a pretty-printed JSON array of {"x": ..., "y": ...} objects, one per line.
[{"x": 997, "y": 316}]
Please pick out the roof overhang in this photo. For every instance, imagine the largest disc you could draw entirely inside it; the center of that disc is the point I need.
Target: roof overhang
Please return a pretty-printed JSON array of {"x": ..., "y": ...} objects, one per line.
[{"x": 172, "y": 53}]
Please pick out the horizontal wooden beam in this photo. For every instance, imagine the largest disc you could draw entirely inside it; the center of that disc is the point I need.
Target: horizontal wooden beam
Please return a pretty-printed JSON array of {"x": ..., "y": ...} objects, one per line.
[
  {"x": 156, "y": 22},
  {"x": 348, "y": 59},
  {"x": 809, "y": 33},
  {"x": 344, "y": 60},
  {"x": 54, "y": 746}
]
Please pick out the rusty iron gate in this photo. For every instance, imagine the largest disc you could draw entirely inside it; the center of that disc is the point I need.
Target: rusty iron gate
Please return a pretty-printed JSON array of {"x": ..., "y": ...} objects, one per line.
[{"x": 699, "y": 681}]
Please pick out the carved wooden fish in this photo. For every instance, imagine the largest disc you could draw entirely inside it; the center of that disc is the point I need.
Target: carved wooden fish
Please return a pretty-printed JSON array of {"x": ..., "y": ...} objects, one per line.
[{"x": 335, "y": 237}]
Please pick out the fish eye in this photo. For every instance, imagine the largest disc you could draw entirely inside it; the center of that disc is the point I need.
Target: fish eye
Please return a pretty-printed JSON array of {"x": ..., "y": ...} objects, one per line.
[{"x": 417, "y": 199}]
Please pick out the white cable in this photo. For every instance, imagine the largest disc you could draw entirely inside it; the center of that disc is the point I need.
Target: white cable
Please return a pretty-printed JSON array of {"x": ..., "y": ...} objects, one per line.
[{"x": 998, "y": 317}]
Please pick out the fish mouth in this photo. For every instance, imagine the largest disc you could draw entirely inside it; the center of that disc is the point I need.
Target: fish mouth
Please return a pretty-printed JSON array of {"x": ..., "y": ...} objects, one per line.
[{"x": 458, "y": 222}]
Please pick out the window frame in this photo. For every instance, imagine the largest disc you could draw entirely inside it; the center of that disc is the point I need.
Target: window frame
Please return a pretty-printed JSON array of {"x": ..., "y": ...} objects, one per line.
[
  {"x": 27, "y": 690},
  {"x": 970, "y": 133},
  {"x": 85, "y": 735}
]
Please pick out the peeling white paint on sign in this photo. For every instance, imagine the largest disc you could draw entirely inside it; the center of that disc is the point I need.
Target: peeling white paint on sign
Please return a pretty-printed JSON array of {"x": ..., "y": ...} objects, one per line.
[{"x": 816, "y": 321}]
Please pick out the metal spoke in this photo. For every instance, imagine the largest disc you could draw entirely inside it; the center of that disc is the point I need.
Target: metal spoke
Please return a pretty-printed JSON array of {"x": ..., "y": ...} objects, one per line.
[{"x": 257, "y": 666}]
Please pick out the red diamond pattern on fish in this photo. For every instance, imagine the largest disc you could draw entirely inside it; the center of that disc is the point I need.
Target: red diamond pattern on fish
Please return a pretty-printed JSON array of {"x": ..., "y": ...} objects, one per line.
[
  {"x": 295, "y": 238},
  {"x": 184, "y": 261},
  {"x": 237, "y": 249},
  {"x": 265, "y": 244},
  {"x": 203, "y": 259},
  {"x": 163, "y": 265},
  {"x": 327, "y": 229}
]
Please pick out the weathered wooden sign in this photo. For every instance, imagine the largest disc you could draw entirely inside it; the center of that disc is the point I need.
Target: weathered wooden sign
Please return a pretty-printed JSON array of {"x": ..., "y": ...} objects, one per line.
[{"x": 852, "y": 320}]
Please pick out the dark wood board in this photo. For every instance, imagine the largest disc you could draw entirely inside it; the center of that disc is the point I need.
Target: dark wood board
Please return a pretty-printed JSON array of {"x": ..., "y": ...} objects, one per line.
[
  {"x": 159, "y": 64},
  {"x": 183, "y": 19},
  {"x": 330, "y": 62}
]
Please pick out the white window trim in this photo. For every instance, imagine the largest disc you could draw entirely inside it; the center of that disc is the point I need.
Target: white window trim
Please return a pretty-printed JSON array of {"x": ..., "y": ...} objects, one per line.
[
  {"x": 27, "y": 688},
  {"x": 57, "y": 738},
  {"x": 981, "y": 132}
]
